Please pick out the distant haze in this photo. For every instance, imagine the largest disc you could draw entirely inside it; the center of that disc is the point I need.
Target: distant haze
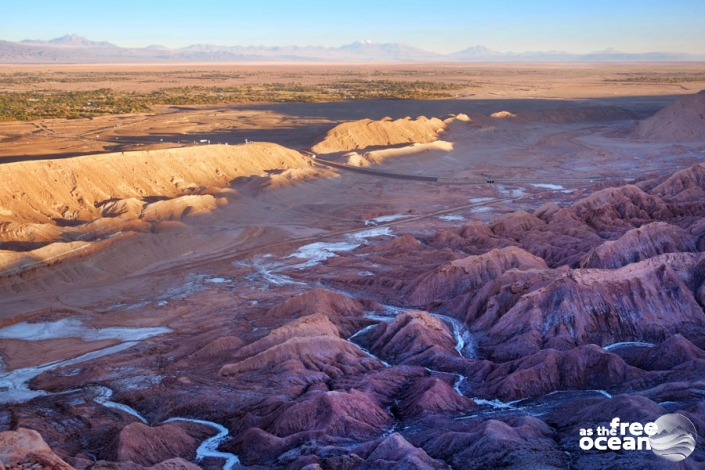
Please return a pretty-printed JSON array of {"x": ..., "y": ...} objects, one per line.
[
  {"x": 77, "y": 49},
  {"x": 634, "y": 26}
]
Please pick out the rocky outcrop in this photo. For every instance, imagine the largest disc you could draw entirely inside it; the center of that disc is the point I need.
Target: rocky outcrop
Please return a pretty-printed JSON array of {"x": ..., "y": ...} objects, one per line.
[
  {"x": 219, "y": 346},
  {"x": 673, "y": 352},
  {"x": 581, "y": 368},
  {"x": 25, "y": 448},
  {"x": 175, "y": 464},
  {"x": 474, "y": 237},
  {"x": 388, "y": 453},
  {"x": 309, "y": 326},
  {"x": 403, "y": 244},
  {"x": 307, "y": 357},
  {"x": 351, "y": 415},
  {"x": 316, "y": 419},
  {"x": 255, "y": 446},
  {"x": 628, "y": 204},
  {"x": 562, "y": 240},
  {"x": 640, "y": 244},
  {"x": 517, "y": 443},
  {"x": 147, "y": 446},
  {"x": 303, "y": 352},
  {"x": 322, "y": 301},
  {"x": 646, "y": 301},
  {"x": 431, "y": 396},
  {"x": 683, "y": 186},
  {"x": 390, "y": 267},
  {"x": 340, "y": 309},
  {"x": 469, "y": 273},
  {"x": 483, "y": 307},
  {"x": 513, "y": 223},
  {"x": 395, "y": 452},
  {"x": 171, "y": 464},
  {"x": 411, "y": 338}
]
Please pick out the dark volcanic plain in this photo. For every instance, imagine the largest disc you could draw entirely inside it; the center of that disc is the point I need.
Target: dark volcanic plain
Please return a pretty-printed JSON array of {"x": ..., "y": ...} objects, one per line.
[{"x": 465, "y": 289}]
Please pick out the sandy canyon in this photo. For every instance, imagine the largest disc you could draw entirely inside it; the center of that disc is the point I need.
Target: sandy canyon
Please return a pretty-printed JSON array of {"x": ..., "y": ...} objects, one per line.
[{"x": 461, "y": 283}]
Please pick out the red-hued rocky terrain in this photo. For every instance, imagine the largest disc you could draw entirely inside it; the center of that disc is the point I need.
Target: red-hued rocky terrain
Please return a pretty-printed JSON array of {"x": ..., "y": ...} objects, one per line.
[{"x": 346, "y": 320}]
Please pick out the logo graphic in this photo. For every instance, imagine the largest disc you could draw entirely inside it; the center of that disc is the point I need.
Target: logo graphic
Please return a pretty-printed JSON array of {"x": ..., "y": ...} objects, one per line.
[
  {"x": 675, "y": 439},
  {"x": 671, "y": 437}
]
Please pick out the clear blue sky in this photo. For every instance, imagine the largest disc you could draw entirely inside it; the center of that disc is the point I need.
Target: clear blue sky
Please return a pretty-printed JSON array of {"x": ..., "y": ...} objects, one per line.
[{"x": 442, "y": 26}]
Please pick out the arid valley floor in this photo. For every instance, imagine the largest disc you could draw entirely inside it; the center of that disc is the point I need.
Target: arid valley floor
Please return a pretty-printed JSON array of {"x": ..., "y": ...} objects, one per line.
[{"x": 456, "y": 283}]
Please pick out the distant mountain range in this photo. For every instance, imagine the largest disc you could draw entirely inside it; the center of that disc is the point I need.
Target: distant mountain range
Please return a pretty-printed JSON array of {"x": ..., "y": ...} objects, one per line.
[{"x": 76, "y": 49}]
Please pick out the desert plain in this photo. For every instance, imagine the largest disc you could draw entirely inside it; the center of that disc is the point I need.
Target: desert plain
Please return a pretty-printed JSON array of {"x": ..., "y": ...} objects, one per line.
[{"x": 460, "y": 279}]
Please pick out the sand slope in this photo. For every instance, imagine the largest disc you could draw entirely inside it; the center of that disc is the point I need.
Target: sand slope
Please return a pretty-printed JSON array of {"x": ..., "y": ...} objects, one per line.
[
  {"x": 365, "y": 133},
  {"x": 681, "y": 121},
  {"x": 379, "y": 156},
  {"x": 86, "y": 188}
]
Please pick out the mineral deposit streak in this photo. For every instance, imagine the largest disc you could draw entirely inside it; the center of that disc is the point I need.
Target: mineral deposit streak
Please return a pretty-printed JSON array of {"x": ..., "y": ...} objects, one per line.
[{"x": 208, "y": 448}]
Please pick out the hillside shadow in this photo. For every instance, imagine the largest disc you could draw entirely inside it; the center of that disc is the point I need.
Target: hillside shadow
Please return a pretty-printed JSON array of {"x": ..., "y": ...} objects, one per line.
[
  {"x": 644, "y": 106},
  {"x": 304, "y": 135},
  {"x": 22, "y": 246}
]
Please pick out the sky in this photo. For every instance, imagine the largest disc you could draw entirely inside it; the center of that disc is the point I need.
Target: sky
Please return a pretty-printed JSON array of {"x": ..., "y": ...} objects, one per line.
[{"x": 441, "y": 26}]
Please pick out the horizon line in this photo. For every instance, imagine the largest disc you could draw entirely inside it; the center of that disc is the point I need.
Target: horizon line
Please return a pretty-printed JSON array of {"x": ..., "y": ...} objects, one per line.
[
  {"x": 349, "y": 63},
  {"x": 47, "y": 42}
]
